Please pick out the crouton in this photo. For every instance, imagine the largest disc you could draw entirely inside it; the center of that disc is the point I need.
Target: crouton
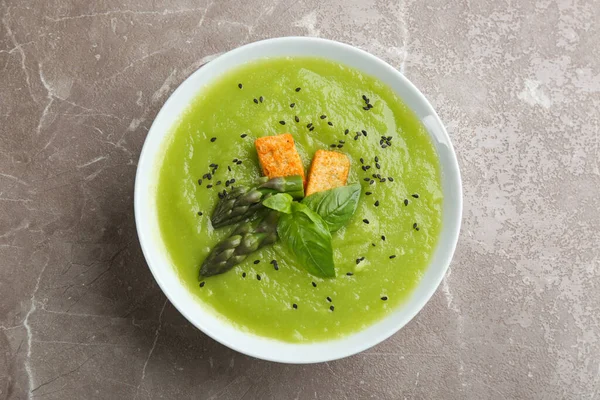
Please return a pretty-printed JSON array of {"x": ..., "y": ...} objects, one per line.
[
  {"x": 278, "y": 156},
  {"x": 329, "y": 170}
]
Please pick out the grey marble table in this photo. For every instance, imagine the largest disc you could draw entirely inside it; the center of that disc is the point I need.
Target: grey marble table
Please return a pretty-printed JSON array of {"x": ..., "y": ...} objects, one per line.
[{"x": 516, "y": 82}]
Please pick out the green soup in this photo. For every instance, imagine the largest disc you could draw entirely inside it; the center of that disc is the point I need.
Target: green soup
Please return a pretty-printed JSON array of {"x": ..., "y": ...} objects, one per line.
[{"x": 378, "y": 263}]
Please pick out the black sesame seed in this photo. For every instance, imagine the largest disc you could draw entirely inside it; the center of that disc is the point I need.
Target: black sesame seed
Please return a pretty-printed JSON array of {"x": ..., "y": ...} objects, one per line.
[
  {"x": 384, "y": 298},
  {"x": 332, "y": 308},
  {"x": 329, "y": 299},
  {"x": 202, "y": 284},
  {"x": 415, "y": 225},
  {"x": 330, "y": 123},
  {"x": 243, "y": 274},
  {"x": 256, "y": 101},
  {"x": 213, "y": 139},
  {"x": 200, "y": 213},
  {"x": 323, "y": 116},
  {"x": 282, "y": 122},
  {"x": 298, "y": 89},
  {"x": 346, "y": 132},
  {"x": 240, "y": 85},
  {"x": 256, "y": 261},
  {"x": 295, "y": 305},
  {"x": 199, "y": 181},
  {"x": 366, "y": 221},
  {"x": 405, "y": 202},
  {"x": 383, "y": 237},
  {"x": 392, "y": 256},
  {"x": 292, "y": 105},
  {"x": 258, "y": 277},
  {"x": 296, "y": 119},
  {"x": 368, "y": 193},
  {"x": 314, "y": 284},
  {"x": 377, "y": 203},
  {"x": 209, "y": 186},
  {"x": 416, "y": 196},
  {"x": 349, "y": 273}
]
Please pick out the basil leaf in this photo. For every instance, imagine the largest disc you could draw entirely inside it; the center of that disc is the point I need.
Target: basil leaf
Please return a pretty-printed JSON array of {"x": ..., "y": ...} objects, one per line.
[
  {"x": 335, "y": 206},
  {"x": 281, "y": 202},
  {"x": 306, "y": 235}
]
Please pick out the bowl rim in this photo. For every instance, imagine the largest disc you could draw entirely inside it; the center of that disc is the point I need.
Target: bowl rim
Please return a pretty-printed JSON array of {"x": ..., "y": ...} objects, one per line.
[{"x": 296, "y": 357}]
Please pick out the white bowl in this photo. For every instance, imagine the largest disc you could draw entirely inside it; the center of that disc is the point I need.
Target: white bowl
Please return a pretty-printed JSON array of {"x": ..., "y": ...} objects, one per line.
[{"x": 205, "y": 319}]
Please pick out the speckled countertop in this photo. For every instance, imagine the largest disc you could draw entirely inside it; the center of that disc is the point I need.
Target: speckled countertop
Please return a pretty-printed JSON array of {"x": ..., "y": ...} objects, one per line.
[{"x": 518, "y": 86}]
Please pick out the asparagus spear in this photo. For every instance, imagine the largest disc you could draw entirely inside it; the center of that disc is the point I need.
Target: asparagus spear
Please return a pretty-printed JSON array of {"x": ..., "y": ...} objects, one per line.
[
  {"x": 243, "y": 241},
  {"x": 243, "y": 202}
]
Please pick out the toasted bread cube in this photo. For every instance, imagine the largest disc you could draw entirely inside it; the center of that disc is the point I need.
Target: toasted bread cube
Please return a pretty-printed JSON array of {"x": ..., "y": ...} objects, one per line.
[
  {"x": 278, "y": 156},
  {"x": 329, "y": 170}
]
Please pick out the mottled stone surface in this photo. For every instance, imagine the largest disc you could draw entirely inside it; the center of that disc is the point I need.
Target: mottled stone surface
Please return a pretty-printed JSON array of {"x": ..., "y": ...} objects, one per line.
[{"x": 516, "y": 82}]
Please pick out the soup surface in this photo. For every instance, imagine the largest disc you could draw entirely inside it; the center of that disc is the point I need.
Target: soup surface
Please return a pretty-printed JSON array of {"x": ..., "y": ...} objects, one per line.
[{"x": 381, "y": 247}]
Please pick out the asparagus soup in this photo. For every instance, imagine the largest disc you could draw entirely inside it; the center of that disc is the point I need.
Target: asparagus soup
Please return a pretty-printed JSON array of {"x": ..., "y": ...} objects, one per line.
[{"x": 272, "y": 261}]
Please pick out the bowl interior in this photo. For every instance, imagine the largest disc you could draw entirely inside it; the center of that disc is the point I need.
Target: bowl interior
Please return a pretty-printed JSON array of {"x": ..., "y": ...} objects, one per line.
[{"x": 215, "y": 326}]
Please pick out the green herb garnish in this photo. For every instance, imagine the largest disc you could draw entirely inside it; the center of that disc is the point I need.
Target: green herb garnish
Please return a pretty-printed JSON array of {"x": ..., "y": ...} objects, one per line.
[
  {"x": 281, "y": 202},
  {"x": 307, "y": 236},
  {"x": 335, "y": 206}
]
